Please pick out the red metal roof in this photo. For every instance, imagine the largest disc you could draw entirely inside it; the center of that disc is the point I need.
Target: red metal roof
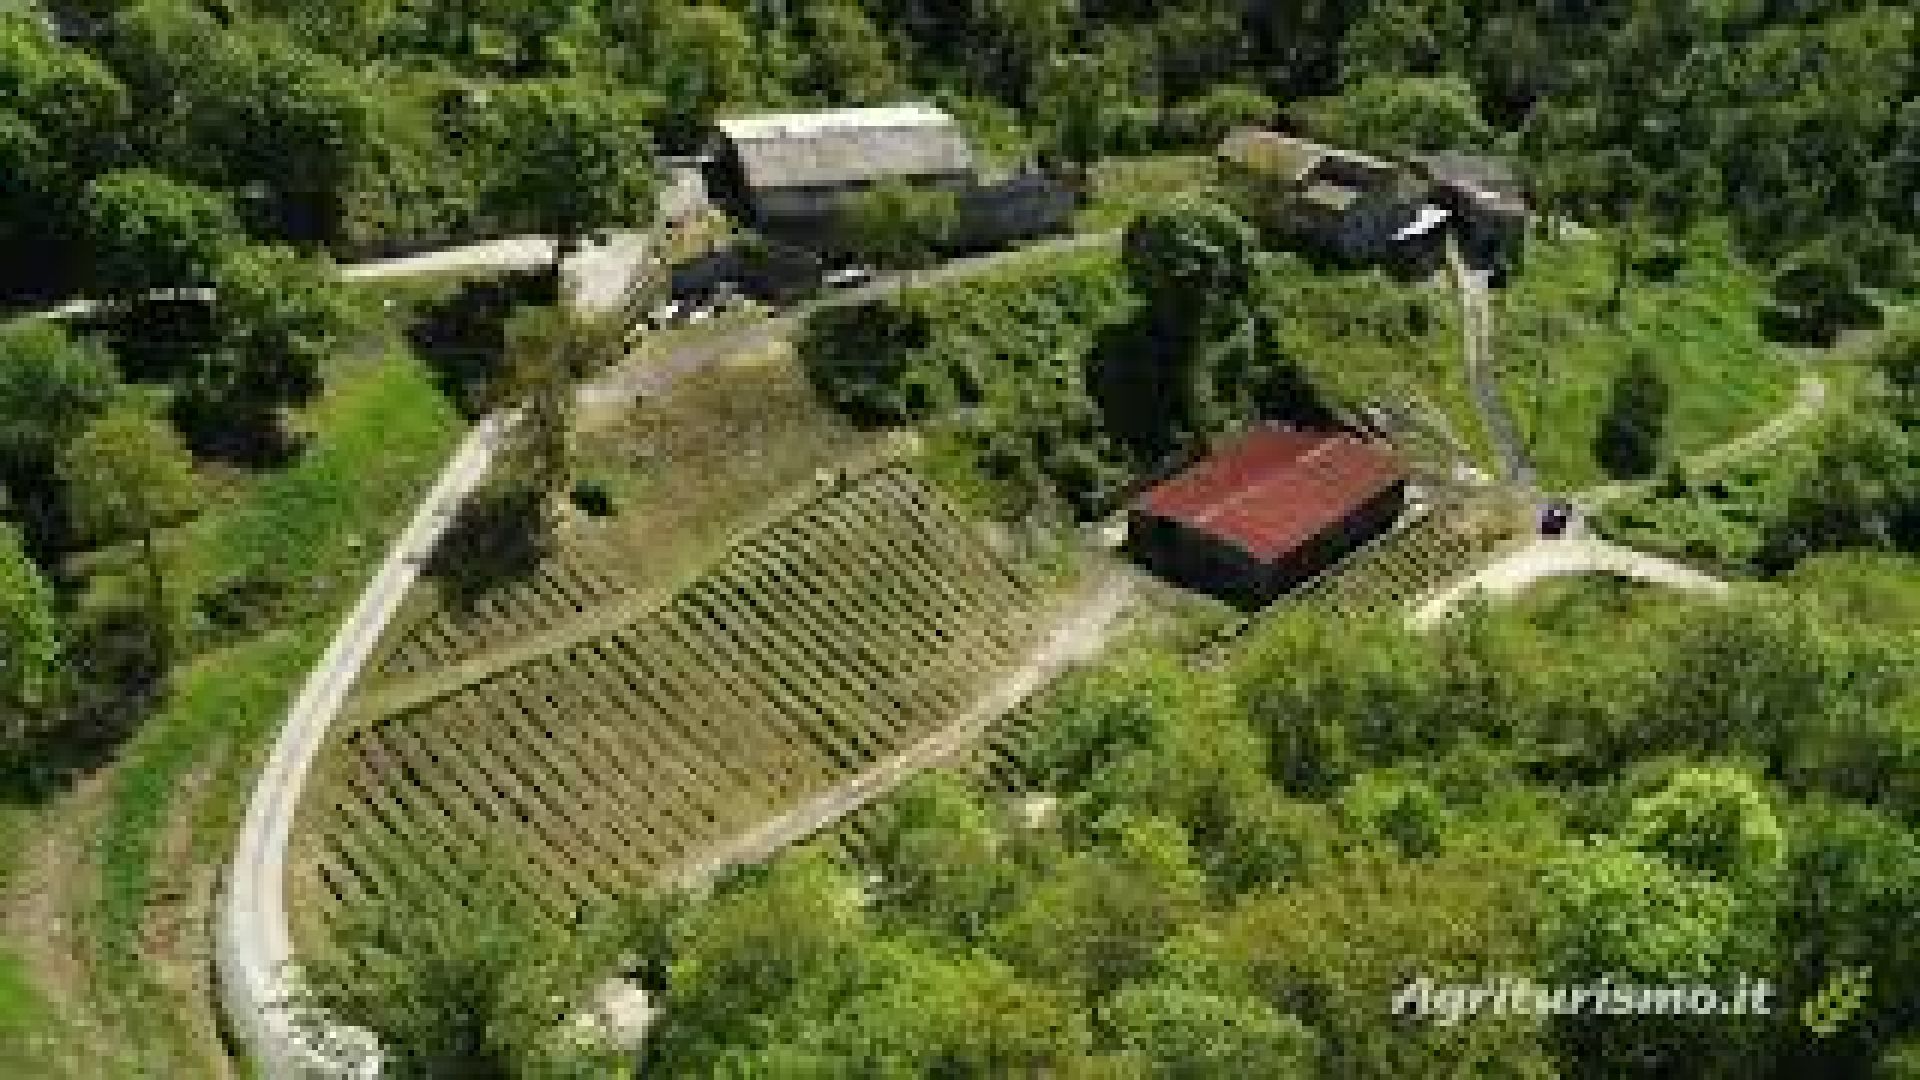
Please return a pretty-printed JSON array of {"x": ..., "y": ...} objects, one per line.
[{"x": 1271, "y": 491}]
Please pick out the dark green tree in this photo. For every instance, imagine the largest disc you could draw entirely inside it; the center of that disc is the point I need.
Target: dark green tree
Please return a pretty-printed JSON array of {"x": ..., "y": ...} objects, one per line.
[
  {"x": 147, "y": 232},
  {"x": 570, "y": 157},
  {"x": 128, "y": 477},
  {"x": 1632, "y": 433}
]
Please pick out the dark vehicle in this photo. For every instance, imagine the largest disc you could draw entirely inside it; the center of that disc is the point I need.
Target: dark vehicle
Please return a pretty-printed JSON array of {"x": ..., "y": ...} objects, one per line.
[{"x": 1555, "y": 517}]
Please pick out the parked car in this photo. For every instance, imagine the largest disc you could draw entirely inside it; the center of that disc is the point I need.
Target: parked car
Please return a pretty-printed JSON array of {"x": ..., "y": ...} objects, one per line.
[
  {"x": 1555, "y": 517},
  {"x": 665, "y": 315},
  {"x": 848, "y": 277}
]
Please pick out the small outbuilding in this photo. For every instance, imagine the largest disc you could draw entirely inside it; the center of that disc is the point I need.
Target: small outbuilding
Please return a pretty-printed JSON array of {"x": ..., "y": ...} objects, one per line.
[
  {"x": 1266, "y": 512},
  {"x": 786, "y": 172},
  {"x": 1484, "y": 194},
  {"x": 1349, "y": 204}
]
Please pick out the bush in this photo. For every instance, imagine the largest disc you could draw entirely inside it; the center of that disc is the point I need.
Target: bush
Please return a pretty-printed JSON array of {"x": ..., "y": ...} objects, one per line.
[
  {"x": 593, "y": 498},
  {"x": 1205, "y": 120}
]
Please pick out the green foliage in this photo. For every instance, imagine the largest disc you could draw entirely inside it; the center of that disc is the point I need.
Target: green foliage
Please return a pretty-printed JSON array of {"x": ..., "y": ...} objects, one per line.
[
  {"x": 1399, "y": 116},
  {"x": 1205, "y": 120},
  {"x": 1634, "y": 425},
  {"x": 279, "y": 317},
  {"x": 1167, "y": 1029},
  {"x": 897, "y": 226},
  {"x": 473, "y": 984},
  {"x": 129, "y": 476},
  {"x": 146, "y": 232},
  {"x": 51, "y": 385},
  {"x": 30, "y": 650},
  {"x": 1715, "y": 823},
  {"x": 1615, "y": 909},
  {"x": 568, "y": 156},
  {"x": 545, "y": 355}
]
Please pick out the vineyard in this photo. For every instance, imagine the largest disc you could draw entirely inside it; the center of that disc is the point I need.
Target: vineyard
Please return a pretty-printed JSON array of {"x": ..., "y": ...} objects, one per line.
[
  {"x": 1391, "y": 575},
  {"x": 1385, "y": 579},
  {"x": 563, "y": 588},
  {"x": 813, "y": 649}
]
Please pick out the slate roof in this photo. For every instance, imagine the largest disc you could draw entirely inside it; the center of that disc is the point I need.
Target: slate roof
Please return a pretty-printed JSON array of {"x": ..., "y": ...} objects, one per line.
[
  {"x": 1270, "y": 491},
  {"x": 839, "y": 148}
]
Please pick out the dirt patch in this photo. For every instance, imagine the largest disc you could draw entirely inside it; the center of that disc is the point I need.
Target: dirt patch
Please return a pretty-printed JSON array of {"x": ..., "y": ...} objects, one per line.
[
  {"x": 176, "y": 929},
  {"x": 40, "y": 921}
]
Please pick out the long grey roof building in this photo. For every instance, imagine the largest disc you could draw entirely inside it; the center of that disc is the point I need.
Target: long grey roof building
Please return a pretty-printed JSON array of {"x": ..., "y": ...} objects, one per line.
[{"x": 790, "y": 167}]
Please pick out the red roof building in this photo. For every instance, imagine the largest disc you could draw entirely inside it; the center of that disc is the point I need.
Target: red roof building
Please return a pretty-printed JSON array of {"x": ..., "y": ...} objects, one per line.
[{"x": 1267, "y": 511}]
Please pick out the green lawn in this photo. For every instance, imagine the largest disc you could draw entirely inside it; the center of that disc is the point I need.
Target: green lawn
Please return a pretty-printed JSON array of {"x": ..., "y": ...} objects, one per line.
[
  {"x": 313, "y": 531},
  {"x": 1560, "y": 352},
  {"x": 1124, "y": 187}
]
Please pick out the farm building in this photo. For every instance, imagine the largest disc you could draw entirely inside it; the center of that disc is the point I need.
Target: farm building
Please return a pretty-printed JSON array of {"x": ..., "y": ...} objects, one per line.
[
  {"x": 1354, "y": 206},
  {"x": 1484, "y": 196},
  {"x": 785, "y": 172},
  {"x": 1267, "y": 512}
]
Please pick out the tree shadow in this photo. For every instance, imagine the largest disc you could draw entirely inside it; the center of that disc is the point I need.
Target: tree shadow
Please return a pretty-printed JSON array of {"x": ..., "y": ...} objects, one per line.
[
  {"x": 156, "y": 339},
  {"x": 118, "y": 680},
  {"x": 463, "y": 335},
  {"x": 499, "y": 539}
]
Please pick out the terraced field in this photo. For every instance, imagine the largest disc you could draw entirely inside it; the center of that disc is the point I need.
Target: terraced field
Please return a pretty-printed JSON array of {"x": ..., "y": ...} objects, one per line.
[
  {"x": 564, "y": 588},
  {"x": 1387, "y": 577},
  {"x": 810, "y": 651}
]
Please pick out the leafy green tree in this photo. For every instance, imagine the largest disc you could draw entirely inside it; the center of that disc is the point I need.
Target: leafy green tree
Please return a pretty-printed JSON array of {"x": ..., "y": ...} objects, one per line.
[
  {"x": 1096, "y": 920},
  {"x": 279, "y": 315},
  {"x": 1633, "y": 427},
  {"x": 475, "y": 985},
  {"x": 570, "y": 157},
  {"x": 1820, "y": 290},
  {"x": 1863, "y": 492},
  {"x": 30, "y": 645},
  {"x": 1080, "y": 97},
  {"x": 128, "y": 477},
  {"x": 1336, "y": 953},
  {"x": 897, "y": 226},
  {"x": 51, "y": 385},
  {"x": 547, "y": 350},
  {"x": 1713, "y": 822},
  {"x": 1852, "y": 899},
  {"x": 850, "y": 59},
  {"x": 789, "y": 937},
  {"x": 146, "y": 231},
  {"x": 1208, "y": 118},
  {"x": 1167, "y": 1029},
  {"x": 1636, "y": 915},
  {"x": 942, "y": 859},
  {"x": 1898, "y": 360},
  {"x": 702, "y": 58},
  {"x": 1400, "y": 116},
  {"x": 1192, "y": 261},
  {"x": 65, "y": 94}
]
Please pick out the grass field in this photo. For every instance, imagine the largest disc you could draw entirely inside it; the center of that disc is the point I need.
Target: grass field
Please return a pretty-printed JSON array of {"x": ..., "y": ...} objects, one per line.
[
  {"x": 812, "y": 650},
  {"x": 1122, "y": 188},
  {"x": 1560, "y": 352},
  {"x": 131, "y": 863}
]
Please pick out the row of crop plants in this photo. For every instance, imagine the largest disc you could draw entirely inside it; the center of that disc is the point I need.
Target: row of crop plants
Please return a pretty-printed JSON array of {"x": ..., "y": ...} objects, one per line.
[
  {"x": 563, "y": 587},
  {"x": 812, "y": 651}
]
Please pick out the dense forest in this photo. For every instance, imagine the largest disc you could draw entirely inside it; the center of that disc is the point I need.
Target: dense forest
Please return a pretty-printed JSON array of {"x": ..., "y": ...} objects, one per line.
[{"x": 372, "y": 125}]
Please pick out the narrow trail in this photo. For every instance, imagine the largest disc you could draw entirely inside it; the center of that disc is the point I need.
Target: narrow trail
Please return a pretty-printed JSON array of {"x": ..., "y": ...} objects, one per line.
[
  {"x": 1577, "y": 554},
  {"x": 1809, "y": 403},
  {"x": 1476, "y": 330},
  {"x": 1078, "y": 634}
]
